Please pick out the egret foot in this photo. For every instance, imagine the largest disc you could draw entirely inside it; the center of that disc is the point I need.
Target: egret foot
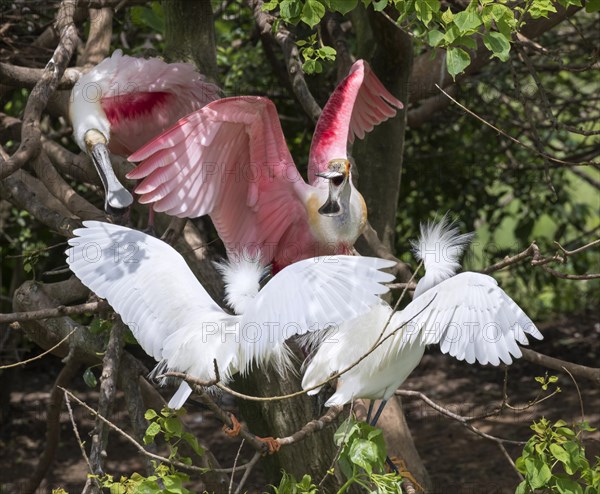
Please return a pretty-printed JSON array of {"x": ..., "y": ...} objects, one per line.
[
  {"x": 235, "y": 428},
  {"x": 397, "y": 465},
  {"x": 273, "y": 445}
]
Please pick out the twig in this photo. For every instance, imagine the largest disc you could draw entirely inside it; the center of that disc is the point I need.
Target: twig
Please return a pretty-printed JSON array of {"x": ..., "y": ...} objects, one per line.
[
  {"x": 76, "y": 432},
  {"x": 235, "y": 464},
  {"x": 15, "y": 190},
  {"x": 138, "y": 446},
  {"x": 515, "y": 140},
  {"x": 249, "y": 467},
  {"x": 59, "y": 311},
  {"x": 13, "y": 75},
  {"x": 459, "y": 418},
  {"x": 578, "y": 393},
  {"x": 37, "y": 357}
]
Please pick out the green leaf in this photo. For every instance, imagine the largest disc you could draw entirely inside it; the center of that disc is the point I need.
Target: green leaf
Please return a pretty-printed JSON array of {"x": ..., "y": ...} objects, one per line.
[
  {"x": 193, "y": 442},
  {"x": 343, "y": 6},
  {"x": 541, "y": 8},
  {"x": 567, "y": 486},
  {"x": 327, "y": 52},
  {"x": 434, "y": 37},
  {"x": 425, "y": 10},
  {"x": 498, "y": 44},
  {"x": 364, "y": 454},
  {"x": 152, "y": 430},
  {"x": 447, "y": 16},
  {"x": 538, "y": 473},
  {"x": 290, "y": 10},
  {"x": 522, "y": 488},
  {"x": 592, "y": 6},
  {"x": 313, "y": 12},
  {"x": 89, "y": 378},
  {"x": 173, "y": 426},
  {"x": 150, "y": 414},
  {"x": 457, "y": 60},
  {"x": 379, "y": 5},
  {"x": 560, "y": 453},
  {"x": 345, "y": 431},
  {"x": 151, "y": 17},
  {"x": 467, "y": 21}
]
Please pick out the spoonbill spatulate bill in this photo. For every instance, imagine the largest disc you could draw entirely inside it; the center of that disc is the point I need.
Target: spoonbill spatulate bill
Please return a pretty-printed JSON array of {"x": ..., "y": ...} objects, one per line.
[
  {"x": 468, "y": 315},
  {"x": 230, "y": 160},
  {"x": 123, "y": 102},
  {"x": 176, "y": 321}
]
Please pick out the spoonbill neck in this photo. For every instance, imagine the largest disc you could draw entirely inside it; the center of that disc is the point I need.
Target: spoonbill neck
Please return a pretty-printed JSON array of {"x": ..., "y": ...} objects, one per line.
[
  {"x": 340, "y": 230},
  {"x": 87, "y": 114}
]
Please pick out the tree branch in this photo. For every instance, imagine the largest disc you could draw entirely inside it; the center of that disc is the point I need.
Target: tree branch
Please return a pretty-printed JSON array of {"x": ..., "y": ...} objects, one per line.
[
  {"x": 591, "y": 373},
  {"x": 38, "y": 99}
]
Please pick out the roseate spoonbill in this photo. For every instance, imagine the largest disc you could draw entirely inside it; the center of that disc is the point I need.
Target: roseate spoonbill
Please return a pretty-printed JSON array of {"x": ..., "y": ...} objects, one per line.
[
  {"x": 230, "y": 160},
  {"x": 125, "y": 101},
  {"x": 467, "y": 314},
  {"x": 176, "y": 321}
]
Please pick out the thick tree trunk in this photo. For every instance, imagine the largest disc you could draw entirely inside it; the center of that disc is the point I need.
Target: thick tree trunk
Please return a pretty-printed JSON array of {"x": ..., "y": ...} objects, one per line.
[
  {"x": 379, "y": 158},
  {"x": 190, "y": 35}
]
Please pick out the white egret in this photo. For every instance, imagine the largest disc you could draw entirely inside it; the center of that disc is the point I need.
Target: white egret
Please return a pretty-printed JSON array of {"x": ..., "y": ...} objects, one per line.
[{"x": 467, "y": 314}]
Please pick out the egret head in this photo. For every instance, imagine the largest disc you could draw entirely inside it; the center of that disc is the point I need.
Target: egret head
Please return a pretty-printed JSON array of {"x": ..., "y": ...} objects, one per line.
[{"x": 338, "y": 174}]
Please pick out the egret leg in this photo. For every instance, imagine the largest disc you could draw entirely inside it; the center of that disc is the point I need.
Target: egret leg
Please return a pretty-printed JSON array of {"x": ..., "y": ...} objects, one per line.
[
  {"x": 378, "y": 413},
  {"x": 392, "y": 465},
  {"x": 370, "y": 411}
]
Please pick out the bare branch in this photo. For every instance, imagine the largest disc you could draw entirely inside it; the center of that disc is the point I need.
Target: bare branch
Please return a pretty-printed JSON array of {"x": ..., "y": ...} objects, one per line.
[
  {"x": 16, "y": 191},
  {"x": 312, "y": 426},
  {"x": 28, "y": 77},
  {"x": 59, "y": 311},
  {"x": 591, "y": 373},
  {"x": 38, "y": 99},
  {"x": 110, "y": 370}
]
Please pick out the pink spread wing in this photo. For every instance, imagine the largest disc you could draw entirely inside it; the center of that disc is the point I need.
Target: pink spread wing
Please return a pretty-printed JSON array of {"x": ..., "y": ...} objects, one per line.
[
  {"x": 358, "y": 103},
  {"x": 229, "y": 160},
  {"x": 143, "y": 97}
]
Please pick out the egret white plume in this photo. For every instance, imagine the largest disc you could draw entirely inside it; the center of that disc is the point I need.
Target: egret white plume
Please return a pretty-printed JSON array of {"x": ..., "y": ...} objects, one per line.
[
  {"x": 176, "y": 321},
  {"x": 440, "y": 247},
  {"x": 242, "y": 275},
  {"x": 467, "y": 314}
]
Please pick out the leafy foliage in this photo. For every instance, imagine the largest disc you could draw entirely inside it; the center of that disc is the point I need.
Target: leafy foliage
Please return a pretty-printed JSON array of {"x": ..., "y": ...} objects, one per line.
[
  {"x": 554, "y": 460},
  {"x": 166, "y": 478},
  {"x": 361, "y": 459},
  {"x": 494, "y": 22}
]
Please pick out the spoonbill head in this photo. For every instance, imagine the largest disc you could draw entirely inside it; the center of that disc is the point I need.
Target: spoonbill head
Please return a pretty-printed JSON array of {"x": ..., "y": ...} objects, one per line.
[{"x": 124, "y": 102}]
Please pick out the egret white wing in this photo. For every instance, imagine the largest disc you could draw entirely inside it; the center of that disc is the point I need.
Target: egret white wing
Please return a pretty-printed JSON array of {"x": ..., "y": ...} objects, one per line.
[
  {"x": 310, "y": 296},
  {"x": 470, "y": 317},
  {"x": 144, "y": 279}
]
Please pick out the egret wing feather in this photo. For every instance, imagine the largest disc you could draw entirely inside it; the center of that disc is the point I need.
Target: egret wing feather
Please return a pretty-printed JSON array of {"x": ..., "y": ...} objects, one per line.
[
  {"x": 470, "y": 317},
  {"x": 311, "y": 296}
]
